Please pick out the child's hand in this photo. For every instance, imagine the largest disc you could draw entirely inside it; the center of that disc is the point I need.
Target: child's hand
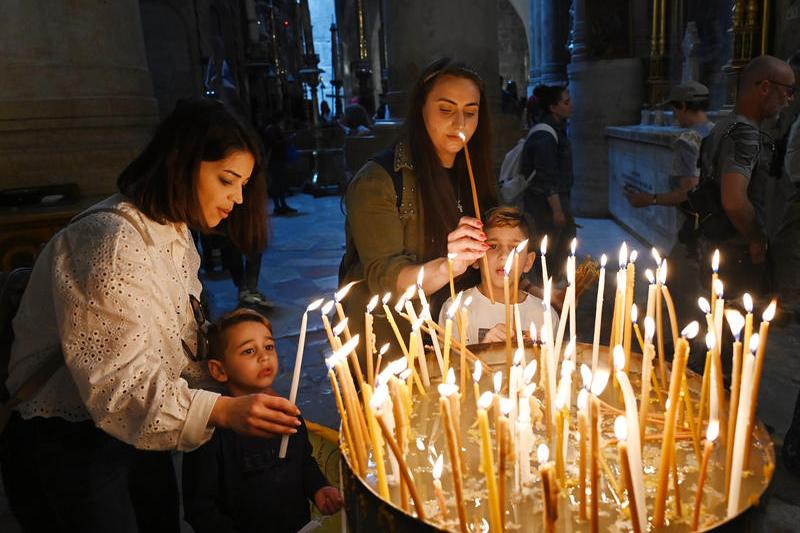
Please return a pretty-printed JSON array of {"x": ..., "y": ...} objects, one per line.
[
  {"x": 496, "y": 334},
  {"x": 328, "y": 500}
]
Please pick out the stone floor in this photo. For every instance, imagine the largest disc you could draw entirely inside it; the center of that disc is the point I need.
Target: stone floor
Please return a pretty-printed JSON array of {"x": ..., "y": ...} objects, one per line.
[{"x": 301, "y": 265}]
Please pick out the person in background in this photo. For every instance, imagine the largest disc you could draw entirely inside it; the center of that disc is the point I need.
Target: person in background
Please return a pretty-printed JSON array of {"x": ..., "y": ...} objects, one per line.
[
  {"x": 276, "y": 145},
  {"x": 547, "y": 199},
  {"x": 325, "y": 117}
]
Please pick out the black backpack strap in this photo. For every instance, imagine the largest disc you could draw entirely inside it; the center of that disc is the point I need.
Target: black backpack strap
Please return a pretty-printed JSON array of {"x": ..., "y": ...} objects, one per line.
[{"x": 385, "y": 159}]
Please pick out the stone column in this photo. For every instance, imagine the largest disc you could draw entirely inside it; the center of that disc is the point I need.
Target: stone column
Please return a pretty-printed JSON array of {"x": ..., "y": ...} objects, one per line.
[
  {"x": 76, "y": 99},
  {"x": 554, "y": 30},
  {"x": 535, "y": 45}
]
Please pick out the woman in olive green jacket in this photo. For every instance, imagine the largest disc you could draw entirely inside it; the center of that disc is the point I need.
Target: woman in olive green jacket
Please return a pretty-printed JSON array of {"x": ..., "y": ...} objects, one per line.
[{"x": 411, "y": 206}]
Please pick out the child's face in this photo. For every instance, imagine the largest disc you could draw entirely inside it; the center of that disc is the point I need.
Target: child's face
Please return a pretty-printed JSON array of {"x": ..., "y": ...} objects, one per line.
[
  {"x": 250, "y": 361},
  {"x": 502, "y": 240}
]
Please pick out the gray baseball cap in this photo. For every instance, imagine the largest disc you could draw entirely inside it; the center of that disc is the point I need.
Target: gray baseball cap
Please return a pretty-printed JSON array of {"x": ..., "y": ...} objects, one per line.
[{"x": 688, "y": 91}]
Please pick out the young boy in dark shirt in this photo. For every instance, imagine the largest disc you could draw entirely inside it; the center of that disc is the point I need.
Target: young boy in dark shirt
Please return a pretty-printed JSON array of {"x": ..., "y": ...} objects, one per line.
[{"x": 236, "y": 483}]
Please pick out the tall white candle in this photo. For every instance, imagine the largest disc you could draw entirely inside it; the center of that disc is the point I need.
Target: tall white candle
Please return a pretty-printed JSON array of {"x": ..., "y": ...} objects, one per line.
[
  {"x": 598, "y": 312},
  {"x": 298, "y": 364},
  {"x": 543, "y": 255},
  {"x": 742, "y": 419},
  {"x": 571, "y": 281}
]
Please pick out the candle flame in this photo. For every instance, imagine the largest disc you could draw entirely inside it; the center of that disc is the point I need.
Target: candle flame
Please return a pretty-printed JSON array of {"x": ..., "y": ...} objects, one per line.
[
  {"x": 735, "y": 322},
  {"x": 462, "y": 136},
  {"x": 485, "y": 401},
  {"x": 748, "y": 302},
  {"x": 711, "y": 340},
  {"x": 619, "y": 357},
  {"x": 533, "y": 332},
  {"x": 379, "y": 398},
  {"x": 521, "y": 246},
  {"x": 769, "y": 312},
  {"x": 437, "y": 467},
  {"x": 621, "y": 428},
  {"x": 649, "y": 329},
  {"x": 509, "y": 264},
  {"x": 718, "y": 288},
  {"x": 518, "y": 353},
  {"x": 754, "y": 340},
  {"x": 634, "y": 313},
  {"x": 573, "y": 246},
  {"x": 452, "y": 256},
  {"x": 527, "y": 392},
  {"x": 506, "y": 406},
  {"x": 326, "y": 309},
  {"x": 451, "y": 376},
  {"x": 416, "y": 325},
  {"x": 341, "y": 293},
  {"x": 623, "y": 255},
  {"x": 447, "y": 389},
  {"x": 715, "y": 261},
  {"x": 384, "y": 349},
  {"x": 348, "y": 347},
  {"x": 420, "y": 276},
  {"x": 543, "y": 246},
  {"x": 583, "y": 399},
  {"x": 704, "y": 306},
  {"x": 691, "y": 330},
  {"x": 567, "y": 368},
  {"x": 386, "y": 298},
  {"x": 497, "y": 379},
  {"x": 398, "y": 366},
  {"x": 542, "y": 453},
  {"x": 599, "y": 381},
  {"x": 421, "y": 445},
  {"x": 570, "y": 350},
  {"x": 634, "y": 256},
  {"x": 451, "y": 311},
  {"x": 316, "y": 304},
  {"x": 712, "y": 431},
  {"x": 562, "y": 394},
  {"x": 651, "y": 279},
  {"x": 603, "y": 261},
  {"x": 484, "y": 522},
  {"x": 339, "y": 328},
  {"x": 373, "y": 302},
  {"x": 586, "y": 376},
  {"x": 530, "y": 371},
  {"x": 467, "y": 302},
  {"x": 656, "y": 255},
  {"x": 477, "y": 372},
  {"x": 662, "y": 272}
]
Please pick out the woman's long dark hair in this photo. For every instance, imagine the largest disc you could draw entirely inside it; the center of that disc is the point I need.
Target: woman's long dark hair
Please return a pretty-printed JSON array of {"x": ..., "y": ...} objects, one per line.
[
  {"x": 438, "y": 195},
  {"x": 546, "y": 97},
  {"x": 162, "y": 180}
]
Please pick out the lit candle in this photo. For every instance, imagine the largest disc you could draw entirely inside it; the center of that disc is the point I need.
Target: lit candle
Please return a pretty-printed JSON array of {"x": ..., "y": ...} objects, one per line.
[
  {"x": 747, "y": 300},
  {"x": 405, "y": 472},
  {"x": 562, "y": 319},
  {"x": 718, "y": 385},
  {"x": 673, "y": 318},
  {"x": 437, "y": 350},
  {"x": 298, "y": 364},
  {"x": 326, "y": 308},
  {"x": 524, "y": 438},
  {"x": 711, "y": 435},
  {"x": 742, "y": 418},
  {"x": 714, "y": 278},
  {"x": 369, "y": 339},
  {"x": 543, "y": 255},
  {"x": 487, "y": 463},
  {"x": 450, "y": 258},
  {"x": 763, "y": 333},
  {"x": 636, "y": 330},
  {"x": 393, "y": 324},
  {"x": 621, "y": 432},
  {"x": 650, "y": 310},
  {"x": 571, "y": 295},
  {"x": 506, "y": 272},
  {"x": 736, "y": 323},
  {"x": 549, "y": 498},
  {"x": 376, "y": 438},
  {"x": 667, "y": 443},
  {"x": 445, "y": 391},
  {"x": 484, "y": 260},
  {"x": 348, "y": 439},
  {"x": 437, "y": 485},
  {"x": 630, "y": 281},
  {"x": 464, "y": 324},
  {"x": 338, "y": 297},
  {"x": 448, "y": 330},
  {"x": 636, "y": 493},
  {"x": 476, "y": 378},
  {"x": 647, "y": 370},
  {"x": 381, "y": 353},
  {"x": 599, "y": 382},
  {"x": 517, "y": 252},
  {"x": 502, "y": 434},
  {"x": 662, "y": 367},
  {"x": 598, "y": 312},
  {"x": 416, "y": 336}
]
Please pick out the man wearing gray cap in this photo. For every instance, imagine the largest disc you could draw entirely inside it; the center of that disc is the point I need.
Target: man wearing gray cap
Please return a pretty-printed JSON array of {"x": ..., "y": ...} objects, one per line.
[{"x": 689, "y": 102}]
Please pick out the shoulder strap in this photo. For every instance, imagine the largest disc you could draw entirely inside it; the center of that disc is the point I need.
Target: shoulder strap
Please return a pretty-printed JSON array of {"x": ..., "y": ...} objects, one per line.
[
  {"x": 31, "y": 386},
  {"x": 541, "y": 126},
  {"x": 385, "y": 159}
]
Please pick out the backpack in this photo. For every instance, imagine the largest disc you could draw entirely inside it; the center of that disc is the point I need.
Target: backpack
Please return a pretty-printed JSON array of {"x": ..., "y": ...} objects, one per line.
[{"x": 511, "y": 184}]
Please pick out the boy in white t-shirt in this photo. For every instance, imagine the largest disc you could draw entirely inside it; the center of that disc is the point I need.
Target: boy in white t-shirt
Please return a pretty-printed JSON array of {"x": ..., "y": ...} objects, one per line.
[{"x": 505, "y": 228}]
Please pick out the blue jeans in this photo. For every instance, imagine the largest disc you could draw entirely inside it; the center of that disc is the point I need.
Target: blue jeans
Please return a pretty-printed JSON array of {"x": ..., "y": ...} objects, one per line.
[{"x": 65, "y": 476}]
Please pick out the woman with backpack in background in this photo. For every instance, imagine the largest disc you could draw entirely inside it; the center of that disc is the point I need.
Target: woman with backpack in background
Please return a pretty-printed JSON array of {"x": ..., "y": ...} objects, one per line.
[
  {"x": 547, "y": 198},
  {"x": 410, "y": 206},
  {"x": 112, "y": 309}
]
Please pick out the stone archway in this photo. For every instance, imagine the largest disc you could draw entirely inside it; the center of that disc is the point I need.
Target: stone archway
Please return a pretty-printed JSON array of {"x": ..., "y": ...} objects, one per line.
[{"x": 512, "y": 43}]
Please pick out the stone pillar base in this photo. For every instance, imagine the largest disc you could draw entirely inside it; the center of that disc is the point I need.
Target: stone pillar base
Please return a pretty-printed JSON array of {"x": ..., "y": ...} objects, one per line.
[{"x": 604, "y": 93}]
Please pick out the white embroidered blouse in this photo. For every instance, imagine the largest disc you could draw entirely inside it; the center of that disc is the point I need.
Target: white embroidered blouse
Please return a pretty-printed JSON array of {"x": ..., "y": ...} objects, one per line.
[{"x": 115, "y": 299}]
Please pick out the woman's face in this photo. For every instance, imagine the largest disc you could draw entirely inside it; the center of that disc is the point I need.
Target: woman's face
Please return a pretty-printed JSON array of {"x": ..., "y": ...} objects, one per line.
[
  {"x": 563, "y": 109},
  {"x": 451, "y": 107},
  {"x": 220, "y": 184}
]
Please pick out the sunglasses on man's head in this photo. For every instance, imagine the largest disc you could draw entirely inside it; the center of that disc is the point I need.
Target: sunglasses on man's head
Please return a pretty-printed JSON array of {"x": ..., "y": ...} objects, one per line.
[{"x": 203, "y": 327}]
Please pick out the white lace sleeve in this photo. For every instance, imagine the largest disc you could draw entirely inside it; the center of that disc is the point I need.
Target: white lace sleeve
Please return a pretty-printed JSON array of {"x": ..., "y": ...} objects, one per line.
[{"x": 119, "y": 333}]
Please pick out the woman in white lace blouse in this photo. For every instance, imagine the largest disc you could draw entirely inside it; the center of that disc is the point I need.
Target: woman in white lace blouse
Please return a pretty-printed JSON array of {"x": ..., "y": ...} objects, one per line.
[{"x": 110, "y": 301}]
